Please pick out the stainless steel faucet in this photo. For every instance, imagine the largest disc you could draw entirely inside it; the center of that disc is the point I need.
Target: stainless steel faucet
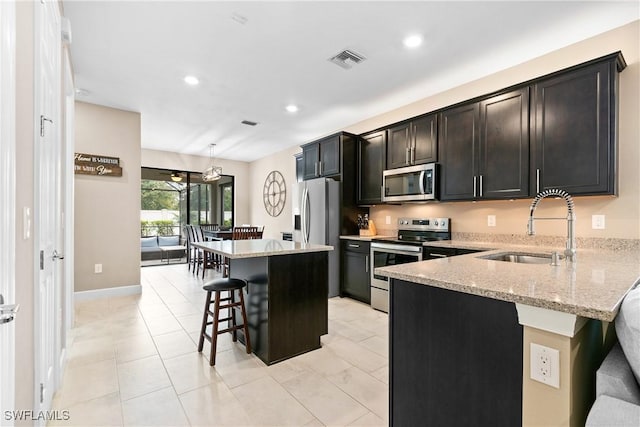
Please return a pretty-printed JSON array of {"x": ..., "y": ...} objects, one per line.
[{"x": 570, "y": 250}]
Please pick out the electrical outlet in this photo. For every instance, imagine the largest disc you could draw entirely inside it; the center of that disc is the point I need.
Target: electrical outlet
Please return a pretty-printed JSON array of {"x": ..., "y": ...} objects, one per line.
[
  {"x": 597, "y": 222},
  {"x": 97, "y": 268},
  {"x": 491, "y": 220},
  {"x": 545, "y": 365},
  {"x": 387, "y": 219}
]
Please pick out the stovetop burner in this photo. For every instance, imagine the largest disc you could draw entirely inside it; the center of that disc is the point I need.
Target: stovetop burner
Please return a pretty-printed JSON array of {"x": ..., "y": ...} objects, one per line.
[{"x": 417, "y": 231}]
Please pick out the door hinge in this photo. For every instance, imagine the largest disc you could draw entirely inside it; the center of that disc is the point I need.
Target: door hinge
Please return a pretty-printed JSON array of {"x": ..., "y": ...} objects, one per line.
[
  {"x": 41, "y": 260},
  {"x": 41, "y": 392},
  {"x": 42, "y": 120}
]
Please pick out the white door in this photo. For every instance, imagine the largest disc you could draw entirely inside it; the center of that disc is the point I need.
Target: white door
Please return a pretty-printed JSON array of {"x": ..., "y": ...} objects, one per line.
[
  {"x": 7, "y": 205},
  {"x": 46, "y": 207}
]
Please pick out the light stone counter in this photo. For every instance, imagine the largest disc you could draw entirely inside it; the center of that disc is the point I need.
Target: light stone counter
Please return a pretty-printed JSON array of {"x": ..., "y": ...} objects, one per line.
[
  {"x": 259, "y": 248},
  {"x": 592, "y": 287}
]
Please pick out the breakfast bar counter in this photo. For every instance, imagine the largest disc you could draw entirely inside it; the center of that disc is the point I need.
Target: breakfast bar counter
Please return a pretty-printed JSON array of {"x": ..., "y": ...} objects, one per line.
[
  {"x": 286, "y": 296},
  {"x": 463, "y": 331}
]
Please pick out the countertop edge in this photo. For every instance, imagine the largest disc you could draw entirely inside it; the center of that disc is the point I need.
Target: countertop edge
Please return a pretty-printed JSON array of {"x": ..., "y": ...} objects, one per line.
[{"x": 603, "y": 315}]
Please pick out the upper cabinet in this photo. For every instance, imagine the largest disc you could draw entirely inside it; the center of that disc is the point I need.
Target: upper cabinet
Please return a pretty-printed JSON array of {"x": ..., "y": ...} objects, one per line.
[
  {"x": 321, "y": 158},
  {"x": 371, "y": 156},
  {"x": 513, "y": 145},
  {"x": 503, "y": 155},
  {"x": 413, "y": 142},
  {"x": 458, "y": 140},
  {"x": 574, "y": 129},
  {"x": 484, "y": 148},
  {"x": 333, "y": 156}
]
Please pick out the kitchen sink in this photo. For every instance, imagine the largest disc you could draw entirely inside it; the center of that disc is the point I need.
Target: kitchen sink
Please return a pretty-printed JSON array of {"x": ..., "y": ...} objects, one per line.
[{"x": 521, "y": 258}]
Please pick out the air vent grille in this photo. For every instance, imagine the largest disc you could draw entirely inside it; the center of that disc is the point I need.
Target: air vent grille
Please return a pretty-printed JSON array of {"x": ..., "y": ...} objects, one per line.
[{"x": 347, "y": 59}]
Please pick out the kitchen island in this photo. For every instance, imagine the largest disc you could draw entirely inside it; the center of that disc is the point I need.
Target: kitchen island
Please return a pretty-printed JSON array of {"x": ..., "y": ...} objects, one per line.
[
  {"x": 286, "y": 296},
  {"x": 462, "y": 329}
]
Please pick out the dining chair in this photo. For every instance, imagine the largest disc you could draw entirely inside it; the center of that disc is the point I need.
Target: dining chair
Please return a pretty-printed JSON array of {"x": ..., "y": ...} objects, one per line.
[
  {"x": 191, "y": 250},
  {"x": 245, "y": 233}
]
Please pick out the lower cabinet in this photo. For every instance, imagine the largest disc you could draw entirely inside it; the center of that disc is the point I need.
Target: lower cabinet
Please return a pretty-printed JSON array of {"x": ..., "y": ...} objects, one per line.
[
  {"x": 455, "y": 359},
  {"x": 356, "y": 279}
]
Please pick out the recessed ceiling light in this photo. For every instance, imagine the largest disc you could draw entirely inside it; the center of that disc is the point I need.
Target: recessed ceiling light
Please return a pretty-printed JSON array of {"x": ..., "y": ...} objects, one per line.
[
  {"x": 191, "y": 80},
  {"x": 292, "y": 108},
  {"x": 412, "y": 41}
]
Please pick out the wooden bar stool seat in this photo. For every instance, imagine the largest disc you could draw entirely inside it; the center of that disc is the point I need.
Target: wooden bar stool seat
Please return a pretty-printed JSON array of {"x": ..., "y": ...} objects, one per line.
[{"x": 214, "y": 289}]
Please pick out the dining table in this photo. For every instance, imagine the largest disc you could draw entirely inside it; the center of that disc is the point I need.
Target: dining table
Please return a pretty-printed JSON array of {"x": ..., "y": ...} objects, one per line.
[{"x": 218, "y": 234}]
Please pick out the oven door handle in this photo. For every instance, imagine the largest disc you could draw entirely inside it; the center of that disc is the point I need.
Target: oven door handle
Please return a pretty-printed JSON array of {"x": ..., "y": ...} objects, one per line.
[{"x": 398, "y": 249}]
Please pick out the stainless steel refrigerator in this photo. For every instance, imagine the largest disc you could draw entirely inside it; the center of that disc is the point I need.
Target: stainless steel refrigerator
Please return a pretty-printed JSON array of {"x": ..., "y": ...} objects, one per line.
[{"x": 316, "y": 219}]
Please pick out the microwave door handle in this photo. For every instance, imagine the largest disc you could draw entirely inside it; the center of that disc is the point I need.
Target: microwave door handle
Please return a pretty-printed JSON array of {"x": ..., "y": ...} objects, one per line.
[{"x": 422, "y": 182}]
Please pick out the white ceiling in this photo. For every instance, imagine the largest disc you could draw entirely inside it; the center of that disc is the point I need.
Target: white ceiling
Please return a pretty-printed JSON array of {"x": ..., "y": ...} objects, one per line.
[{"x": 134, "y": 55}]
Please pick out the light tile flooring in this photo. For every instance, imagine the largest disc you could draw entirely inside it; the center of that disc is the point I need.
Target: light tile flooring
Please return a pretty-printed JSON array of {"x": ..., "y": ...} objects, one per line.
[{"x": 133, "y": 362}]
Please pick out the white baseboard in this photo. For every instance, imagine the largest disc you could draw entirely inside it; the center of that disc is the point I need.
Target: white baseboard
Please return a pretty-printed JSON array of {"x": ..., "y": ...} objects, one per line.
[{"x": 118, "y": 291}]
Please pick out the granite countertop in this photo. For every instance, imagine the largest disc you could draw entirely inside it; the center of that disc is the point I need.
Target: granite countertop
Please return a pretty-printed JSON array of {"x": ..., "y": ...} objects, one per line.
[
  {"x": 259, "y": 248},
  {"x": 592, "y": 287}
]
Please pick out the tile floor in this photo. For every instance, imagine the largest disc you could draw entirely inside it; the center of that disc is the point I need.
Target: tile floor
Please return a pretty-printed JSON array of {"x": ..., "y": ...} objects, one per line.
[{"x": 133, "y": 362}]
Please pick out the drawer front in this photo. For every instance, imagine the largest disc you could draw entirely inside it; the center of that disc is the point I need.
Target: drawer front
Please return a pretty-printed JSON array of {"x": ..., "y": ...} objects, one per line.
[{"x": 356, "y": 246}]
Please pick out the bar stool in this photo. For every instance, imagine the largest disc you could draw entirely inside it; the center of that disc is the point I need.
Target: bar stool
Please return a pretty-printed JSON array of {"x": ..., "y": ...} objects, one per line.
[{"x": 215, "y": 288}]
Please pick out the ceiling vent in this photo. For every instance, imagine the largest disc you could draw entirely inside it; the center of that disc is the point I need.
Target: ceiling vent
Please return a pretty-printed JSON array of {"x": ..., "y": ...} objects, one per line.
[
  {"x": 249, "y": 123},
  {"x": 347, "y": 59}
]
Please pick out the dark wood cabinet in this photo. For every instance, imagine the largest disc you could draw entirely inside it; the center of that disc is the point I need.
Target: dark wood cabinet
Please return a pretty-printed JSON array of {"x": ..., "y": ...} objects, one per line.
[
  {"x": 574, "y": 129},
  {"x": 286, "y": 302},
  {"x": 335, "y": 157},
  {"x": 457, "y": 139},
  {"x": 503, "y": 149},
  {"x": 484, "y": 148},
  {"x": 455, "y": 359},
  {"x": 322, "y": 158},
  {"x": 356, "y": 280},
  {"x": 371, "y": 161},
  {"x": 299, "y": 167},
  {"x": 413, "y": 142}
]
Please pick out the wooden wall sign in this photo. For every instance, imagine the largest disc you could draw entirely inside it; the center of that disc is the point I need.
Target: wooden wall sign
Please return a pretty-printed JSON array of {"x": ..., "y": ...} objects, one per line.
[{"x": 91, "y": 164}]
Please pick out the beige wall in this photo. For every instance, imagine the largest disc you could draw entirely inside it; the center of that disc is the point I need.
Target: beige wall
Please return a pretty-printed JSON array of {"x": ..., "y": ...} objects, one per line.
[
  {"x": 622, "y": 213},
  {"x": 283, "y": 162},
  {"x": 107, "y": 209},
  {"x": 185, "y": 162},
  {"x": 25, "y": 253}
]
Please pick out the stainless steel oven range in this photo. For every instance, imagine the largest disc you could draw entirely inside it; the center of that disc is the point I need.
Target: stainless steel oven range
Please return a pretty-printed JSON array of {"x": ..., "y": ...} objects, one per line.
[{"x": 407, "y": 247}]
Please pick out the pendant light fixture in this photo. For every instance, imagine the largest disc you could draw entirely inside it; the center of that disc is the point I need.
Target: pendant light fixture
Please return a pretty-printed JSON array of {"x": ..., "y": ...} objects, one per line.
[
  {"x": 176, "y": 177},
  {"x": 212, "y": 173}
]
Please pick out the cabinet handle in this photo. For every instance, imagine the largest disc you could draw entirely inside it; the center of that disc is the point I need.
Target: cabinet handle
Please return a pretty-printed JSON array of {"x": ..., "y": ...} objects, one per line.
[
  {"x": 480, "y": 185},
  {"x": 351, "y": 245},
  {"x": 474, "y": 186},
  {"x": 412, "y": 150},
  {"x": 406, "y": 155},
  {"x": 320, "y": 168},
  {"x": 315, "y": 169},
  {"x": 366, "y": 263},
  {"x": 537, "y": 180},
  {"x": 438, "y": 255},
  {"x": 381, "y": 192}
]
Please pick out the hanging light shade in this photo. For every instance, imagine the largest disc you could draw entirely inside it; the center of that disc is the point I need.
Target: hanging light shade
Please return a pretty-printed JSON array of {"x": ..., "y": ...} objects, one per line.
[
  {"x": 212, "y": 173},
  {"x": 176, "y": 177}
]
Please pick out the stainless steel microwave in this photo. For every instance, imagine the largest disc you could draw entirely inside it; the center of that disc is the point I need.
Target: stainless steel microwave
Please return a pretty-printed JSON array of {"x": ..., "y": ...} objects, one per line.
[{"x": 410, "y": 184}]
